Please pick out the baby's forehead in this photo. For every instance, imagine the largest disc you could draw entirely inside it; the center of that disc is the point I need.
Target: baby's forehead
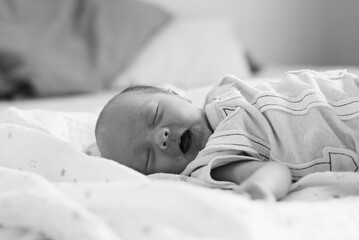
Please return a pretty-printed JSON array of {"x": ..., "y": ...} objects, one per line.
[
  {"x": 134, "y": 103},
  {"x": 134, "y": 97},
  {"x": 138, "y": 99},
  {"x": 127, "y": 105},
  {"x": 131, "y": 98},
  {"x": 125, "y": 134},
  {"x": 145, "y": 90}
]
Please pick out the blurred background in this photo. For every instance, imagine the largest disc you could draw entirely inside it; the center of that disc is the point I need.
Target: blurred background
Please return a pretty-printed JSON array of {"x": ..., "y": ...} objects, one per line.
[
  {"x": 320, "y": 32},
  {"x": 78, "y": 48}
]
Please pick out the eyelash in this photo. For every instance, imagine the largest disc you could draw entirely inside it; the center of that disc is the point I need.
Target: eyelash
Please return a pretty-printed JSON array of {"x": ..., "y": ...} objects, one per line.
[
  {"x": 148, "y": 157},
  {"x": 154, "y": 119},
  {"x": 154, "y": 122}
]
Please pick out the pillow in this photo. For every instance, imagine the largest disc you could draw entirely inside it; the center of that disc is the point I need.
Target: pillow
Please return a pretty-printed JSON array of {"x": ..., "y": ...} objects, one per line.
[
  {"x": 72, "y": 46},
  {"x": 189, "y": 52}
]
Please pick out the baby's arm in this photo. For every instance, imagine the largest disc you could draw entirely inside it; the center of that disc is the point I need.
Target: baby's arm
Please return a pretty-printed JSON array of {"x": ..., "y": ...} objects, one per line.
[{"x": 256, "y": 177}]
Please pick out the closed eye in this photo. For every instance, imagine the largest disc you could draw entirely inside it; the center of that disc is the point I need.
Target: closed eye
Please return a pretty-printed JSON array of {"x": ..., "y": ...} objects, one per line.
[
  {"x": 148, "y": 159},
  {"x": 155, "y": 117}
]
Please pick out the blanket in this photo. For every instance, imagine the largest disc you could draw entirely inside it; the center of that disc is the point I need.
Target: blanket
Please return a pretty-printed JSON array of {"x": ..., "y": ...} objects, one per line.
[{"x": 110, "y": 201}]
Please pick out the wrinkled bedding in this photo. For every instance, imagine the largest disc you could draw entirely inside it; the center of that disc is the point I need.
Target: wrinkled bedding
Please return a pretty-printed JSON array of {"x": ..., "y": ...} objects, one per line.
[{"x": 50, "y": 188}]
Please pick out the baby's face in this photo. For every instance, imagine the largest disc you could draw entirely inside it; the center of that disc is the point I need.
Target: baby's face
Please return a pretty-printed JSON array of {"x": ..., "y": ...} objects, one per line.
[{"x": 156, "y": 132}]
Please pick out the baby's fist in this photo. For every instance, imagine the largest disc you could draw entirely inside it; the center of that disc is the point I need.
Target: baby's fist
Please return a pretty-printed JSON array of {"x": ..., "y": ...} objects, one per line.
[{"x": 256, "y": 191}]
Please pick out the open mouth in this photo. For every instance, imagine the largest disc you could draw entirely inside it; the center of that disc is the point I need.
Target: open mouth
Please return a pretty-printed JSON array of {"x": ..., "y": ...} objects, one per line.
[{"x": 186, "y": 141}]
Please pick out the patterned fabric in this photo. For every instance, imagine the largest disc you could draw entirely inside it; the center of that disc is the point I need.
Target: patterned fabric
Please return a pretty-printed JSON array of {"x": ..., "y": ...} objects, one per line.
[{"x": 307, "y": 121}]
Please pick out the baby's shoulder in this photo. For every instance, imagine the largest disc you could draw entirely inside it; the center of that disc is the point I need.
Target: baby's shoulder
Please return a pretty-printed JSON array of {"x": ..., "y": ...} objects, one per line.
[
  {"x": 222, "y": 106},
  {"x": 221, "y": 87}
]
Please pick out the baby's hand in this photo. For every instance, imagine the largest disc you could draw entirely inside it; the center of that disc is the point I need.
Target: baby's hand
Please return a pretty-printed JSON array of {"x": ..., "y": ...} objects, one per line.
[{"x": 256, "y": 191}]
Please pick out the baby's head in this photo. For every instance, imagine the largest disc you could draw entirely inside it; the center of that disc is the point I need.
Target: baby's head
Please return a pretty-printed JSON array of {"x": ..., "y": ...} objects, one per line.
[{"x": 151, "y": 130}]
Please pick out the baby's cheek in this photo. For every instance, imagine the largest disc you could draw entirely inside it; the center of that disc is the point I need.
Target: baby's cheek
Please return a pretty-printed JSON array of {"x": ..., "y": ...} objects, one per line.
[{"x": 179, "y": 165}]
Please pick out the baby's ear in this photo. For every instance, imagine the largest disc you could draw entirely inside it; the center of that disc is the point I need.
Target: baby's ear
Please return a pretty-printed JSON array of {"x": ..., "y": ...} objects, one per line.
[{"x": 172, "y": 92}]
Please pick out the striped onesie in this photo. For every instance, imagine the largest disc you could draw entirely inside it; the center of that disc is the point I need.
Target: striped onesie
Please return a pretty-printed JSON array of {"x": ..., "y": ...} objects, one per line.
[{"x": 308, "y": 121}]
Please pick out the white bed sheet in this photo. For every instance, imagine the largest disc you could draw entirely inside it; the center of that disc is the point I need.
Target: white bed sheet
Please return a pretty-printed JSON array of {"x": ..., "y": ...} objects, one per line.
[
  {"x": 62, "y": 201},
  {"x": 32, "y": 207}
]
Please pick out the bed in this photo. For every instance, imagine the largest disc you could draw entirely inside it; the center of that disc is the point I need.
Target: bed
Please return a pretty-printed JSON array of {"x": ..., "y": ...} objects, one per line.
[{"x": 53, "y": 183}]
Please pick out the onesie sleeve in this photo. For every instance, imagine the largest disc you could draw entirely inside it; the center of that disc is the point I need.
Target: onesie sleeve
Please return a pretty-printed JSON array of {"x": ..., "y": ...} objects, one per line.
[
  {"x": 204, "y": 173},
  {"x": 239, "y": 134},
  {"x": 225, "y": 147}
]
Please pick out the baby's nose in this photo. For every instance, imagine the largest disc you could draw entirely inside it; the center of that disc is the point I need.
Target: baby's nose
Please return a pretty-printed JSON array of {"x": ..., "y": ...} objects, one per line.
[{"x": 163, "y": 138}]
